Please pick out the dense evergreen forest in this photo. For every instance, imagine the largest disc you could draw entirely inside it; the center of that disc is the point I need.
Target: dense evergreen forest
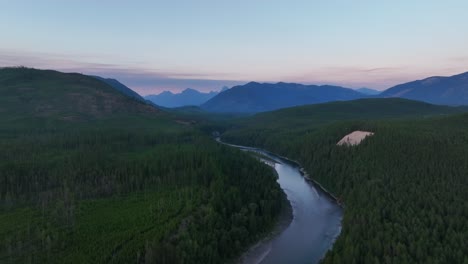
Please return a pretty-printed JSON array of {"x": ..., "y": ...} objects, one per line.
[
  {"x": 110, "y": 185},
  {"x": 404, "y": 189},
  {"x": 89, "y": 175}
]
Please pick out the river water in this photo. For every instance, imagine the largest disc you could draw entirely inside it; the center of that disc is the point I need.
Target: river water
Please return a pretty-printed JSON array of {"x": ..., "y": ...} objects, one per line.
[{"x": 315, "y": 225}]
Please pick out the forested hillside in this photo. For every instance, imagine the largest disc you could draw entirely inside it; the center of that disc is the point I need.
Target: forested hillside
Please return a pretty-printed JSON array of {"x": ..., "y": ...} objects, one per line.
[
  {"x": 121, "y": 87},
  {"x": 404, "y": 188},
  {"x": 30, "y": 93},
  {"x": 119, "y": 187}
]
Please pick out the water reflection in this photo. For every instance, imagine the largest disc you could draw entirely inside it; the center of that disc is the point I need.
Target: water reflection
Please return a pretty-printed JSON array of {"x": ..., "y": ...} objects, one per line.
[{"x": 314, "y": 228}]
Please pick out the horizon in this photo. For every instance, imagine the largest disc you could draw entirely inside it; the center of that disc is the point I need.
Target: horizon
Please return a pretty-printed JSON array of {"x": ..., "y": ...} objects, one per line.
[
  {"x": 153, "y": 46},
  {"x": 181, "y": 90}
]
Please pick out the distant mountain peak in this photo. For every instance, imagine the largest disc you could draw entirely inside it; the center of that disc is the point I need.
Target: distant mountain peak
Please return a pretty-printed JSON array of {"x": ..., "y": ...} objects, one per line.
[
  {"x": 166, "y": 93},
  {"x": 431, "y": 80},
  {"x": 188, "y": 97},
  {"x": 190, "y": 90},
  {"x": 367, "y": 91}
]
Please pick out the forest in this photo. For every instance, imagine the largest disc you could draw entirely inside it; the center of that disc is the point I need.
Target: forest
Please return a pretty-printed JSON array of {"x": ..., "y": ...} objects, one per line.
[
  {"x": 90, "y": 175},
  {"x": 149, "y": 191},
  {"x": 404, "y": 189}
]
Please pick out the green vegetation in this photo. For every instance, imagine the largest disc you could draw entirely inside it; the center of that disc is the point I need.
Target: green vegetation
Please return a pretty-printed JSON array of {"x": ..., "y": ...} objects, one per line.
[
  {"x": 119, "y": 182},
  {"x": 303, "y": 118},
  {"x": 404, "y": 189},
  {"x": 89, "y": 175},
  {"x": 29, "y": 93}
]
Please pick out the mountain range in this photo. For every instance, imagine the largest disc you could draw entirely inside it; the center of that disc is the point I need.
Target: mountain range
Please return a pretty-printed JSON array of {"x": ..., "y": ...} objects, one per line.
[
  {"x": 187, "y": 97},
  {"x": 80, "y": 153},
  {"x": 256, "y": 97},
  {"x": 252, "y": 97},
  {"x": 261, "y": 97}
]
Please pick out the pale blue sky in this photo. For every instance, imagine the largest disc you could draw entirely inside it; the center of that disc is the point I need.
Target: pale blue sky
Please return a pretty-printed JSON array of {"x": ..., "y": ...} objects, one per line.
[{"x": 156, "y": 45}]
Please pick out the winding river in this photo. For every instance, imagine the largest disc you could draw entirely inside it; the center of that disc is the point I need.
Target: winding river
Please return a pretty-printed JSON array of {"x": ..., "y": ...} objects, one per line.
[{"x": 316, "y": 219}]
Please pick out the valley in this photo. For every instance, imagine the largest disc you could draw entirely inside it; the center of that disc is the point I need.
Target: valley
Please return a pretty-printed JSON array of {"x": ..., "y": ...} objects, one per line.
[
  {"x": 403, "y": 189},
  {"x": 233, "y": 132},
  {"x": 315, "y": 221},
  {"x": 112, "y": 186},
  {"x": 89, "y": 173}
]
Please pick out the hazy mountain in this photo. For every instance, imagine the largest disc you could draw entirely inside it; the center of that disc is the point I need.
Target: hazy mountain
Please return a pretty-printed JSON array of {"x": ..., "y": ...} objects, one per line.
[
  {"x": 368, "y": 91},
  {"x": 26, "y": 92},
  {"x": 121, "y": 87},
  {"x": 260, "y": 97},
  {"x": 451, "y": 90},
  {"x": 187, "y": 97}
]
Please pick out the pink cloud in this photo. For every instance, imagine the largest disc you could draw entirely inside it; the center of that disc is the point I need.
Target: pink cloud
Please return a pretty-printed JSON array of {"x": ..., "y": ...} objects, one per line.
[{"x": 144, "y": 81}]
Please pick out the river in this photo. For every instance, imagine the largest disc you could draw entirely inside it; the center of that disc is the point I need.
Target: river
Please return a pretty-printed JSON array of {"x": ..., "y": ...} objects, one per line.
[{"x": 315, "y": 225}]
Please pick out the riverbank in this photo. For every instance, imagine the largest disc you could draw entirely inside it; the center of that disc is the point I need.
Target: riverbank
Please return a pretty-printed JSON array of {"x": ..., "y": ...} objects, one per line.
[
  {"x": 314, "y": 220},
  {"x": 260, "y": 249},
  {"x": 296, "y": 163},
  {"x": 307, "y": 176},
  {"x": 254, "y": 253}
]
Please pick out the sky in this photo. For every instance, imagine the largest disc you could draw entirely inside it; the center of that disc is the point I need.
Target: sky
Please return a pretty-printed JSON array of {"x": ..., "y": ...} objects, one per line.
[{"x": 152, "y": 45}]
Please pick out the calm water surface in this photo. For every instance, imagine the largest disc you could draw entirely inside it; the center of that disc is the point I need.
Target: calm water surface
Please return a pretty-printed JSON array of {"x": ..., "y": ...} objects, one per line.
[{"x": 315, "y": 226}]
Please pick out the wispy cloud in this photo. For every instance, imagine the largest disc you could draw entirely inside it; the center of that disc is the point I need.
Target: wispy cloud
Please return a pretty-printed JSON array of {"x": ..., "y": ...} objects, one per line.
[
  {"x": 381, "y": 69},
  {"x": 378, "y": 78},
  {"x": 459, "y": 59},
  {"x": 147, "y": 80},
  {"x": 143, "y": 80}
]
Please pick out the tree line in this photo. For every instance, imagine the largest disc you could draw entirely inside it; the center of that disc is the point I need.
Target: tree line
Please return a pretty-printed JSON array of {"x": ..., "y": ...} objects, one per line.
[
  {"x": 146, "y": 193},
  {"x": 404, "y": 189}
]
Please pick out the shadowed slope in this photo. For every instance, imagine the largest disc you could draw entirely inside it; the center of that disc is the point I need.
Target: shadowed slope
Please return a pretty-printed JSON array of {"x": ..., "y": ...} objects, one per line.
[{"x": 67, "y": 96}]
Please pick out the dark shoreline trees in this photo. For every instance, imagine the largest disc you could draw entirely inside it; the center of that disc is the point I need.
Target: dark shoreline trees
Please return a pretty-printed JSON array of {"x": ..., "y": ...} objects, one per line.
[
  {"x": 404, "y": 189},
  {"x": 159, "y": 193},
  {"x": 89, "y": 174}
]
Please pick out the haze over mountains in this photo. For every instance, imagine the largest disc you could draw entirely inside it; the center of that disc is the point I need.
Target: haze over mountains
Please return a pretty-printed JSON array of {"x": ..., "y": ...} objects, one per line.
[
  {"x": 256, "y": 97},
  {"x": 261, "y": 97},
  {"x": 368, "y": 91},
  {"x": 188, "y": 96},
  {"x": 451, "y": 90},
  {"x": 221, "y": 132},
  {"x": 116, "y": 155}
]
